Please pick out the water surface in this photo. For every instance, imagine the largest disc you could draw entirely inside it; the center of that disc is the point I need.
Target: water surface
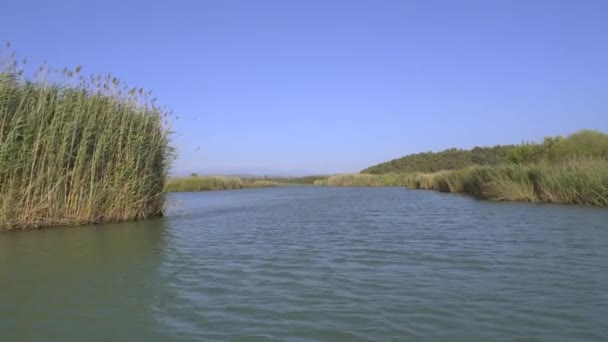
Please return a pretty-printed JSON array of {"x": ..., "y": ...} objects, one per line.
[{"x": 310, "y": 264}]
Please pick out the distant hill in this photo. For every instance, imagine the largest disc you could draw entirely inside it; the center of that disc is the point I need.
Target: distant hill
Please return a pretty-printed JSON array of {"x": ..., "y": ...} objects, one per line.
[
  {"x": 585, "y": 143},
  {"x": 445, "y": 160}
]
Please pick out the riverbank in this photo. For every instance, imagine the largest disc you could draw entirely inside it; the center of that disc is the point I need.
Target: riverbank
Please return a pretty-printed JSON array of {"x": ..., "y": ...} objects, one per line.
[
  {"x": 210, "y": 183},
  {"x": 581, "y": 181}
]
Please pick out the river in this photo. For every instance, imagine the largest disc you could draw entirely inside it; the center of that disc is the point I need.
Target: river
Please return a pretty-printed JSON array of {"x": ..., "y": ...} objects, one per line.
[{"x": 314, "y": 264}]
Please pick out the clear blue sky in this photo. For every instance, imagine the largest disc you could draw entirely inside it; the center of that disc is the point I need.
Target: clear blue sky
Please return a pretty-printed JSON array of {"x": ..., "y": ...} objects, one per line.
[{"x": 334, "y": 86}]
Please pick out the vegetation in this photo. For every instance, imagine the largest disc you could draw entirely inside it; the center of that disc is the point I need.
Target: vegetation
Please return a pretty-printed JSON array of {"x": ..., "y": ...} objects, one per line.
[
  {"x": 575, "y": 182},
  {"x": 449, "y": 159},
  {"x": 207, "y": 183},
  {"x": 76, "y": 149},
  {"x": 558, "y": 170},
  {"x": 363, "y": 180},
  {"x": 306, "y": 180},
  {"x": 203, "y": 183},
  {"x": 582, "y": 144}
]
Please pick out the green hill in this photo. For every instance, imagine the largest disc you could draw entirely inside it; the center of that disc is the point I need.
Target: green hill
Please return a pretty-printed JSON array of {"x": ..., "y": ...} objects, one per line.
[{"x": 585, "y": 143}]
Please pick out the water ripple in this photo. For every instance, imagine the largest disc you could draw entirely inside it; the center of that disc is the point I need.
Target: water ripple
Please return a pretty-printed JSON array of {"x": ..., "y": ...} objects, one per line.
[{"x": 321, "y": 264}]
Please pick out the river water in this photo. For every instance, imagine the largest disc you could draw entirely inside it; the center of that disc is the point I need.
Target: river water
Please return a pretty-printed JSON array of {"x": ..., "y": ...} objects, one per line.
[{"x": 314, "y": 264}]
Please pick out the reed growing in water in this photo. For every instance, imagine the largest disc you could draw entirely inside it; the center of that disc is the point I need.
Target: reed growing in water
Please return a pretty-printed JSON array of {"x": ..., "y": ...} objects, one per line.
[
  {"x": 208, "y": 183},
  {"x": 577, "y": 181},
  {"x": 76, "y": 149}
]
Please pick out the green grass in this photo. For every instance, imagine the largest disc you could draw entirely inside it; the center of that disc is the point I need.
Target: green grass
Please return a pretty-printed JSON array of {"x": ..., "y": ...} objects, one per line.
[
  {"x": 578, "y": 181},
  {"x": 76, "y": 149}
]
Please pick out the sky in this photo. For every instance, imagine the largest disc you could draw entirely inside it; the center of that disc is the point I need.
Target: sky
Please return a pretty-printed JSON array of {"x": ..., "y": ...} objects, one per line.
[{"x": 320, "y": 86}]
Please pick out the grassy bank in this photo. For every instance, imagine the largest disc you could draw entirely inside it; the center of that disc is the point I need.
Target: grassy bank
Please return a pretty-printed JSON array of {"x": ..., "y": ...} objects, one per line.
[
  {"x": 582, "y": 181},
  {"x": 207, "y": 183},
  {"x": 76, "y": 149},
  {"x": 363, "y": 180},
  {"x": 306, "y": 180}
]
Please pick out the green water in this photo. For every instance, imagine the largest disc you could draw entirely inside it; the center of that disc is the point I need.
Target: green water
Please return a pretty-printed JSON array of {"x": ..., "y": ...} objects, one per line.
[{"x": 314, "y": 264}]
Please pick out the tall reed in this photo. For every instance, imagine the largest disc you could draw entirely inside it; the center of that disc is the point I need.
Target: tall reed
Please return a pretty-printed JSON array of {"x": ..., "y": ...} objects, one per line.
[{"x": 76, "y": 149}]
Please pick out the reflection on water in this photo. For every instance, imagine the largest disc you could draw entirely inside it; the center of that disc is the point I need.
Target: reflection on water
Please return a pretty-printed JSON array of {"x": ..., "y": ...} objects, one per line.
[{"x": 83, "y": 284}]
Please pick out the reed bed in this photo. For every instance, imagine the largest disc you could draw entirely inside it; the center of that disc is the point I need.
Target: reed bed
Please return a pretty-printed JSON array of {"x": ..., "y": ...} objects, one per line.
[
  {"x": 580, "y": 181},
  {"x": 208, "y": 183},
  {"x": 261, "y": 183},
  {"x": 574, "y": 182},
  {"x": 362, "y": 180},
  {"x": 78, "y": 149}
]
